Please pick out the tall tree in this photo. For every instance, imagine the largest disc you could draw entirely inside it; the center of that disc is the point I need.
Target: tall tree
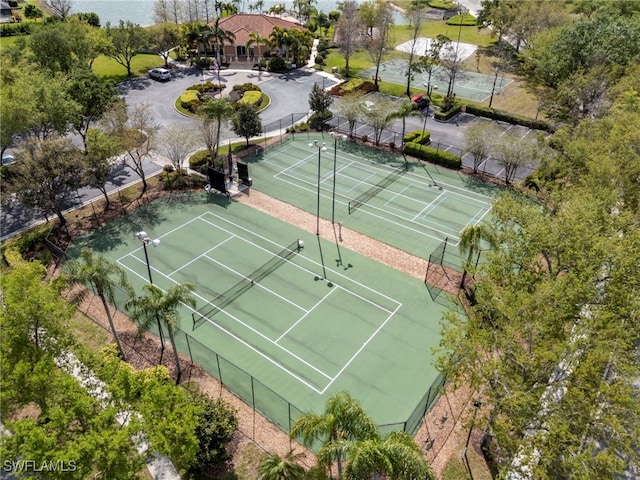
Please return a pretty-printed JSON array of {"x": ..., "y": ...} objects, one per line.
[
  {"x": 219, "y": 111},
  {"x": 349, "y": 106},
  {"x": 379, "y": 40},
  {"x": 218, "y": 36},
  {"x": 379, "y": 116},
  {"x": 93, "y": 95},
  {"x": 416, "y": 16},
  {"x": 127, "y": 39},
  {"x": 548, "y": 340},
  {"x": 178, "y": 141},
  {"x": 319, "y": 100},
  {"x": 156, "y": 304},
  {"x": 44, "y": 182},
  {"x": 479, "y": 138},
  {"x": 99, "y": 160},
  {"x": 163, "y": 38},
  {"x": 246, "y": 122},
  {"x": 57, "y": 8},
  {"x": 104, "y": 277},
  {"x": 136, "y": 133},
  {"x": 471, "y": 241},
  {"x": 33, "y": 320},
  {"x": 348, "y": 31},
  {"x": 343, "y": 419}
]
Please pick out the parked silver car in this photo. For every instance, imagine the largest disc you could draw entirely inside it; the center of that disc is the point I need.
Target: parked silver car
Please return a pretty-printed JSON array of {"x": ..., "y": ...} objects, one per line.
[{"x": 160, "y": 74}]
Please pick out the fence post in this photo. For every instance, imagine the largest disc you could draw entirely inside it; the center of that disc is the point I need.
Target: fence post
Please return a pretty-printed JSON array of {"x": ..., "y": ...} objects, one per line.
[
  {"x": 290, "y": 442},
  {"x": 253, "y": 405},
  {"x": 186, "y": 337}
]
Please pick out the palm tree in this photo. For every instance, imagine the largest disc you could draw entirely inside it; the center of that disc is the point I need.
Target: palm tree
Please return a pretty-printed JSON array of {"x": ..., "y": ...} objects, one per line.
[
  {"x": 219, "y": 36},
  {"x": 406, "y": 109},
  {"x": 259, "y": 40},
  {"x": 277, "y": 37},
  {"x": 343, "y": 421},
  {"x": 397, "y": 457},
  {"x": 471, "y": 239},
  {"x": 192, "y": 33},
  {"x": 104, "y": 277},
  {"x": 157, "y": 304},
  {"x": 219, "y": 110},
  {"x": 272, "y": 467}
]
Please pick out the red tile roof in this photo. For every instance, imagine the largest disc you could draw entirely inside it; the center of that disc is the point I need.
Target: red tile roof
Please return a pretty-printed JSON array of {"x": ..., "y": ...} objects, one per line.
[{"x": 241, "y": 24}]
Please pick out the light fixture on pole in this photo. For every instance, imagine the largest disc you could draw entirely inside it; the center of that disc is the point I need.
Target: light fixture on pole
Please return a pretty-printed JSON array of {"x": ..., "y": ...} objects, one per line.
[
  {"x": 321, "y": 148},
  {"x": 145, "y": 239}
]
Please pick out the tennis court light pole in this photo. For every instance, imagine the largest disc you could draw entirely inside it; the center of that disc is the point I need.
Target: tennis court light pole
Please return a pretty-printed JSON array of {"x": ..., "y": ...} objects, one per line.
[
  {"x": 335, "y": 162},
  {"x": 144, "y": 238},
  {"x": 321, "y": 148}
]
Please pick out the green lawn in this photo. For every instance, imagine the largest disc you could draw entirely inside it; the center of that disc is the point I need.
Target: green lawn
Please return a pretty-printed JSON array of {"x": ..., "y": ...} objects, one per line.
[{"x": 107, "y": 67}]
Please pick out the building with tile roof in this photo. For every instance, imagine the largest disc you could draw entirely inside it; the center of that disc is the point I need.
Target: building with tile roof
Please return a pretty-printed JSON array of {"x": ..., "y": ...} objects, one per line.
[{"x": 242, "y": 25}]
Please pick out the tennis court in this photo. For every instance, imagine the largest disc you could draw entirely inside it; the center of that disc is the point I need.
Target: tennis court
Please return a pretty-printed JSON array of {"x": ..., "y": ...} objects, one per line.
[
  {"x": 470, "y": 85},
  {"x": 278, "y": 317},
  {"x": 413, "y": 206}
]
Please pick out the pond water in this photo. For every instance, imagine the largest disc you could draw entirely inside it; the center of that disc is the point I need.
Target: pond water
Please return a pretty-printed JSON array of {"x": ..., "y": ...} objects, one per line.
[{"x": 141, "y": 11}]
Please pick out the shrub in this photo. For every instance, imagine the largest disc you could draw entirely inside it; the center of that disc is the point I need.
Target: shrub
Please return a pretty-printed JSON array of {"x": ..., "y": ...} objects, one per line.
[
  {"x": 277, "y": 64},
  {"x": 199, "y": 159},
  {"x": 216, "y": 427},
  {"x": 190, "y": 100},
  {"x": 207, "y": 87},
  {"x": 499, "y": 115},
  {"x": 252, "y": 98},
  {"x": 316, "y": 121},
  {"x": 433, "y": 155},
  {"x": 446, "y": 115},
  {"x": 442, "y": 4},
  {"x": 247, "y": 87},
  {"x": 417, "y": 136},
  {"x": 466, "y": 20}
]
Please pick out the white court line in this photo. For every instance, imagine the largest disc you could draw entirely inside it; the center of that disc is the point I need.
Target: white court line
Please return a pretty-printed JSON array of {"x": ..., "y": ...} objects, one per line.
[
  {"x": 419, "y": 214},
  {"x": 263, "y": 355},
  {"x": 245, "y": 343},
  {"x": 202, "y": 255},
  {"x": 304, "y": 316},
  {"x": 264, "y": 337},
  {"x": 473, "y": 221},
  {"x": 360, "y": 349},
  {"x": 255, "y": 284},
  {"x": 334, "y": 272}
]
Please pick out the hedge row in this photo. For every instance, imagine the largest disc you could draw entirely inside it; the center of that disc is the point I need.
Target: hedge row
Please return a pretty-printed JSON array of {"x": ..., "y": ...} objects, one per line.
[
  {"x": 444, "y": 116},
  {"x": 494, "y": 114},
  {"x": 207, "y": 87},
  {"x": 433, "y": 155},
  {"x": 417, "y": 136},
  {"x": 12, "y": 29},
  {"x": 466, "y": 20}
]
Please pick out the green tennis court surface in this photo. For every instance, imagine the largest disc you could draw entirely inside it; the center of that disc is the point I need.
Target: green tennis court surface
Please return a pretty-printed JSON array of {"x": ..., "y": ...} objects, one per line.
[
  {"x": 286, "y": 319},
  {"x": 471, "y": 85},
  {"x": 371, "y": 192}
]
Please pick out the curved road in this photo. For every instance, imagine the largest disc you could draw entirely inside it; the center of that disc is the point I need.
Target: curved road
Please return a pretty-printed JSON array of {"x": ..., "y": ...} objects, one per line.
[{"x": 289, "y": 93}]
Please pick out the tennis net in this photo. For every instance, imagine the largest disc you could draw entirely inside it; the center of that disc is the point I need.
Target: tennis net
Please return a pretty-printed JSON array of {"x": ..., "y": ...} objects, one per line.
[
  {"x": 227, "y": 297},
  {"x": 374, "y": 190}
]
